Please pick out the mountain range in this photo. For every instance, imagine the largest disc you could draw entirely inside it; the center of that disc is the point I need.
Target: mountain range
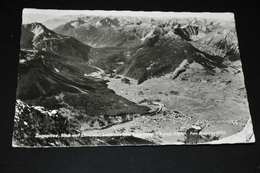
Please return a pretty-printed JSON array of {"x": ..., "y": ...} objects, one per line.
[
  {"x": 68, "y": 67},
  {"x": 158, "y": 46}
]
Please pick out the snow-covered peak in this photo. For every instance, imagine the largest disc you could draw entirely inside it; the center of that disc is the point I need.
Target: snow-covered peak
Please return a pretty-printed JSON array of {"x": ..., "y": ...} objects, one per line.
[
  {"x": 34, "y": 25},
  {"x": 37, "y": 30},
  {"x": 74, "y": 23},
  {"x": 40, "y": 33}
]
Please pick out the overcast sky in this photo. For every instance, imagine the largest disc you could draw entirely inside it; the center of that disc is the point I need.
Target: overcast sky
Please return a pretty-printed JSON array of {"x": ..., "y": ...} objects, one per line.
[{"x": 154, "y": 14}]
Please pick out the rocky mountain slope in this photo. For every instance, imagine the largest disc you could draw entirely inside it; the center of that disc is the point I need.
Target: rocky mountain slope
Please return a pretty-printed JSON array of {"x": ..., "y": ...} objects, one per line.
[
  {"x": 216, "y": 39},
  {"x": 51, "y": 75},
  {"x": 46, "y": 59},
  {"x": 37, "y": 36}
]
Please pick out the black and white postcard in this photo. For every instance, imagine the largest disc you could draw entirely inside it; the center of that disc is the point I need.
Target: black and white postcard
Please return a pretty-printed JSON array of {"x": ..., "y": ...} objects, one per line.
[{"x": 104, "y": 78}]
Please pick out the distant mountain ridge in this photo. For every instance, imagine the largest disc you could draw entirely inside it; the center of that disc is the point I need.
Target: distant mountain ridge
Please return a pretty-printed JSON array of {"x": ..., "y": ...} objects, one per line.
[
  {"x": 159, "y": 46},
  {"x": 104, "y": 32}
]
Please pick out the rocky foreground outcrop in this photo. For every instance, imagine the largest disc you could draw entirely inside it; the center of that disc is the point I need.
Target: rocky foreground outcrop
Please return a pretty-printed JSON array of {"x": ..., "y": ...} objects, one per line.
[{"x": 35, "y": 126}]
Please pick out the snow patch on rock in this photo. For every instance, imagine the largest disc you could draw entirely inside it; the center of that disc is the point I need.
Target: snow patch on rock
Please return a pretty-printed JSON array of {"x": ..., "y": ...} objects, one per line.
[
  {"x": 56, "y": 70},
  {"x": 179, "y": 68},
  {"x": 37, "y": 31}
]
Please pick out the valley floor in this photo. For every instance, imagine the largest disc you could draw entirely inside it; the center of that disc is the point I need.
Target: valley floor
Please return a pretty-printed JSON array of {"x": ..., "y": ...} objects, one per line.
[{"x": 216, "y": 106}]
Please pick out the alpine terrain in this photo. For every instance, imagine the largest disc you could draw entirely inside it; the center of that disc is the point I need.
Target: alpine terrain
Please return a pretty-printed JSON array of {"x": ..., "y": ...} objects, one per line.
[{"x": 122, "y": 80}]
